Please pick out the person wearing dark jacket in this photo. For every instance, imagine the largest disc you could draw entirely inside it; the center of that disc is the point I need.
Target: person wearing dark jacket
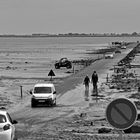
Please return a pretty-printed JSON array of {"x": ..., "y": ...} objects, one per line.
[
  {"x": 94, "y": 81},
  {"x": 86, "y": 83}
]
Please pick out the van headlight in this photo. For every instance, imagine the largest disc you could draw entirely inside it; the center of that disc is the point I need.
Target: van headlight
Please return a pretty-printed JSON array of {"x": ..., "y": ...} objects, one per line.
[
  {"x": 33, "y": 96},
  {"x": 50, "y": 97}
]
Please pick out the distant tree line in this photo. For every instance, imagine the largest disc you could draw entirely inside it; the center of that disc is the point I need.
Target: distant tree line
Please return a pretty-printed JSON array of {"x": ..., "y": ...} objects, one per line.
[{"x": 134, "y": 34}]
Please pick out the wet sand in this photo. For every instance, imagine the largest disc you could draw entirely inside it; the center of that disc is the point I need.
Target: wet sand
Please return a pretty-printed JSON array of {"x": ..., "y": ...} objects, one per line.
[{"x": 73, "y": 117}]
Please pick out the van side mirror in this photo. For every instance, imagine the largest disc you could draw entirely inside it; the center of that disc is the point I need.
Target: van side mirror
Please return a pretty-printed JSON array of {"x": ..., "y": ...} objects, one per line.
[
  {"x": 31, "y": 92},
  {"x": 14, "y": 122},
  {"x": 54, "y": 92}
]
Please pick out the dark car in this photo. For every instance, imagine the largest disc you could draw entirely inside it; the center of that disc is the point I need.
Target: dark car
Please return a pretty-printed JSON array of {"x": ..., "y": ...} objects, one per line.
[
  {"x": 117, "y": 51},
  {"x": 63, "y": 62}
]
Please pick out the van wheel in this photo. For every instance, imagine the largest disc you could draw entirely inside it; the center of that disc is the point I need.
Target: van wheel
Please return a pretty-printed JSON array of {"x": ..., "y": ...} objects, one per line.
[
  {"x": 33, "y": 104},
  {"x": 54, "y": 103}
]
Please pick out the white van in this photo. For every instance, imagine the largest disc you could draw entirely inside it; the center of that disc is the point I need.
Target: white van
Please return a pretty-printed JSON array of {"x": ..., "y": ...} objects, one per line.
[{"x": 43, "y": 94}]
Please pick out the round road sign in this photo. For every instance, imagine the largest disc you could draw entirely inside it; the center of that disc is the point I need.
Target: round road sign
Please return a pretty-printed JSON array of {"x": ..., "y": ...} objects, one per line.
[{"x": 121, "y": 113}]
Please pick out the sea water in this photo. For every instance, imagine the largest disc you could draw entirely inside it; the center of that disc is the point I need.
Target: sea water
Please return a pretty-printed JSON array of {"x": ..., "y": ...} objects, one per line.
[{"x": 34, "y": 54}]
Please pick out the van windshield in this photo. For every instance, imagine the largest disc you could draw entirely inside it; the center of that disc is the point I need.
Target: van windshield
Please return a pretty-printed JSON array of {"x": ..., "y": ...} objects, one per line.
[{"x": 42, "y": 90}]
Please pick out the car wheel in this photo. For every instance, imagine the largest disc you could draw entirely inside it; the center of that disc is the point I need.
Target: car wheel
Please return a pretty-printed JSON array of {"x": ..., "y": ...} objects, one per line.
[
  {"x": 57, "y": 67},
  {"x": 69, "y": 66},
  {"x": 15, "y": 138}
]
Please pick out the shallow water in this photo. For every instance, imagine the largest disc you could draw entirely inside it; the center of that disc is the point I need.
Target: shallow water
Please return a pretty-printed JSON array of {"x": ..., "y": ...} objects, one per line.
[
  {"x": 53, "y": 48},
  {"x": 29, "y": 56},
  {"x": 32, "y": 58}
]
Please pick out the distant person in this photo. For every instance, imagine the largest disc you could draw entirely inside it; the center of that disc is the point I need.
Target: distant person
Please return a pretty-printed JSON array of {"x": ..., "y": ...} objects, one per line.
[
  {"x": 86, "y": 83},
  {"x": 94, "y": 80}
]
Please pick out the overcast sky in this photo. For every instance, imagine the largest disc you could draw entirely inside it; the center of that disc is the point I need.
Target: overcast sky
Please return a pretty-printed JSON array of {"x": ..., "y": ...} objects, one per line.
[{"x": 64, "y": 16}]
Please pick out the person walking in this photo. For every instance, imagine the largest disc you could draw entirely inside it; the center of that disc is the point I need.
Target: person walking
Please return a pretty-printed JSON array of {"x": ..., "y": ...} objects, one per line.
[
  {"x": 86, "y": 83},
  {"x": 94, "y": 80}
]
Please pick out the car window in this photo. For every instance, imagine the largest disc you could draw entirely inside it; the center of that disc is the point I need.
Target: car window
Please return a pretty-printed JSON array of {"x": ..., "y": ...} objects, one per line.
[
  {"x": 9, "y": 118},
  {"x": 63, "y": 60},
  {"x": 2, "y": 119},
  {"x": 42, "y": 90}
]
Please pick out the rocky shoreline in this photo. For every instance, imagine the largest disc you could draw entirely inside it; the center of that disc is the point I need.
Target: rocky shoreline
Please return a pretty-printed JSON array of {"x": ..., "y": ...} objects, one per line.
[{"x": 124, "y": 76}]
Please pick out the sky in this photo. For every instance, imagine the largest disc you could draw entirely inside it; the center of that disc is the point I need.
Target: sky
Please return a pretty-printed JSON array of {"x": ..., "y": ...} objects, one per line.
[{"x": 69, "y": 16}]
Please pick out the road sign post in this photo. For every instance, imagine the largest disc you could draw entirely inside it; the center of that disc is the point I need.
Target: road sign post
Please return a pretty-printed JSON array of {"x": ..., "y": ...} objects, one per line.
[
  {"x": 121, "y": 114},
  {"x": 21, "y": 91},
  {"x": 107, "y": 78}
]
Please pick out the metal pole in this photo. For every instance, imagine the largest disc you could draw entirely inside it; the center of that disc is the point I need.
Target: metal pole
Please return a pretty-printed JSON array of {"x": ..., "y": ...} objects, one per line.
[
  {"x": 73, "y": 69},
  {"x": 51, "y": 78},
  {"x": 120, "y": 135},
  {"x": 21, "y": 91},
  {"x": 107, "y": 78}
]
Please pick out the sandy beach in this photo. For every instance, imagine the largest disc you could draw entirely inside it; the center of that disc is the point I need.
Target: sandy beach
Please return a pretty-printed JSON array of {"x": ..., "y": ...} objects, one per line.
[{"x": 73, "y": 117}]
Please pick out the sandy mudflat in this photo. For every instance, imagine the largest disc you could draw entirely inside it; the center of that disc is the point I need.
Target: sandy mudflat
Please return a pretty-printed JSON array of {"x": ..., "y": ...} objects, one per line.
[{"x": 73, "y": 117}]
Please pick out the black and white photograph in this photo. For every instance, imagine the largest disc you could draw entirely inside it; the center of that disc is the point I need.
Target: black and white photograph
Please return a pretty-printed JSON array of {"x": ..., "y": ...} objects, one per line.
[{"x": 69, "y": 70}]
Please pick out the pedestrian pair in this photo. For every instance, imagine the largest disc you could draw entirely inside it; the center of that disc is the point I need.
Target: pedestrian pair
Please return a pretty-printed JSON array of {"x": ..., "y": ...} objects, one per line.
[{"x": 94, "y": 80}]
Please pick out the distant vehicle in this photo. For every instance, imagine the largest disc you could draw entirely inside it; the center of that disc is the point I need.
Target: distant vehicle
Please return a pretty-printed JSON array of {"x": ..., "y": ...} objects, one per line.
[
  {"x": 43, "y": 94},
  {"x": 123, "y": 47},
  {"x": 109, "y": 55},
  {"x": 7, "y": 128},
  {"x": 116, "y": 43},
  {"x": 63, "y": 62},
  {"x": 117, "y": 51}
]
